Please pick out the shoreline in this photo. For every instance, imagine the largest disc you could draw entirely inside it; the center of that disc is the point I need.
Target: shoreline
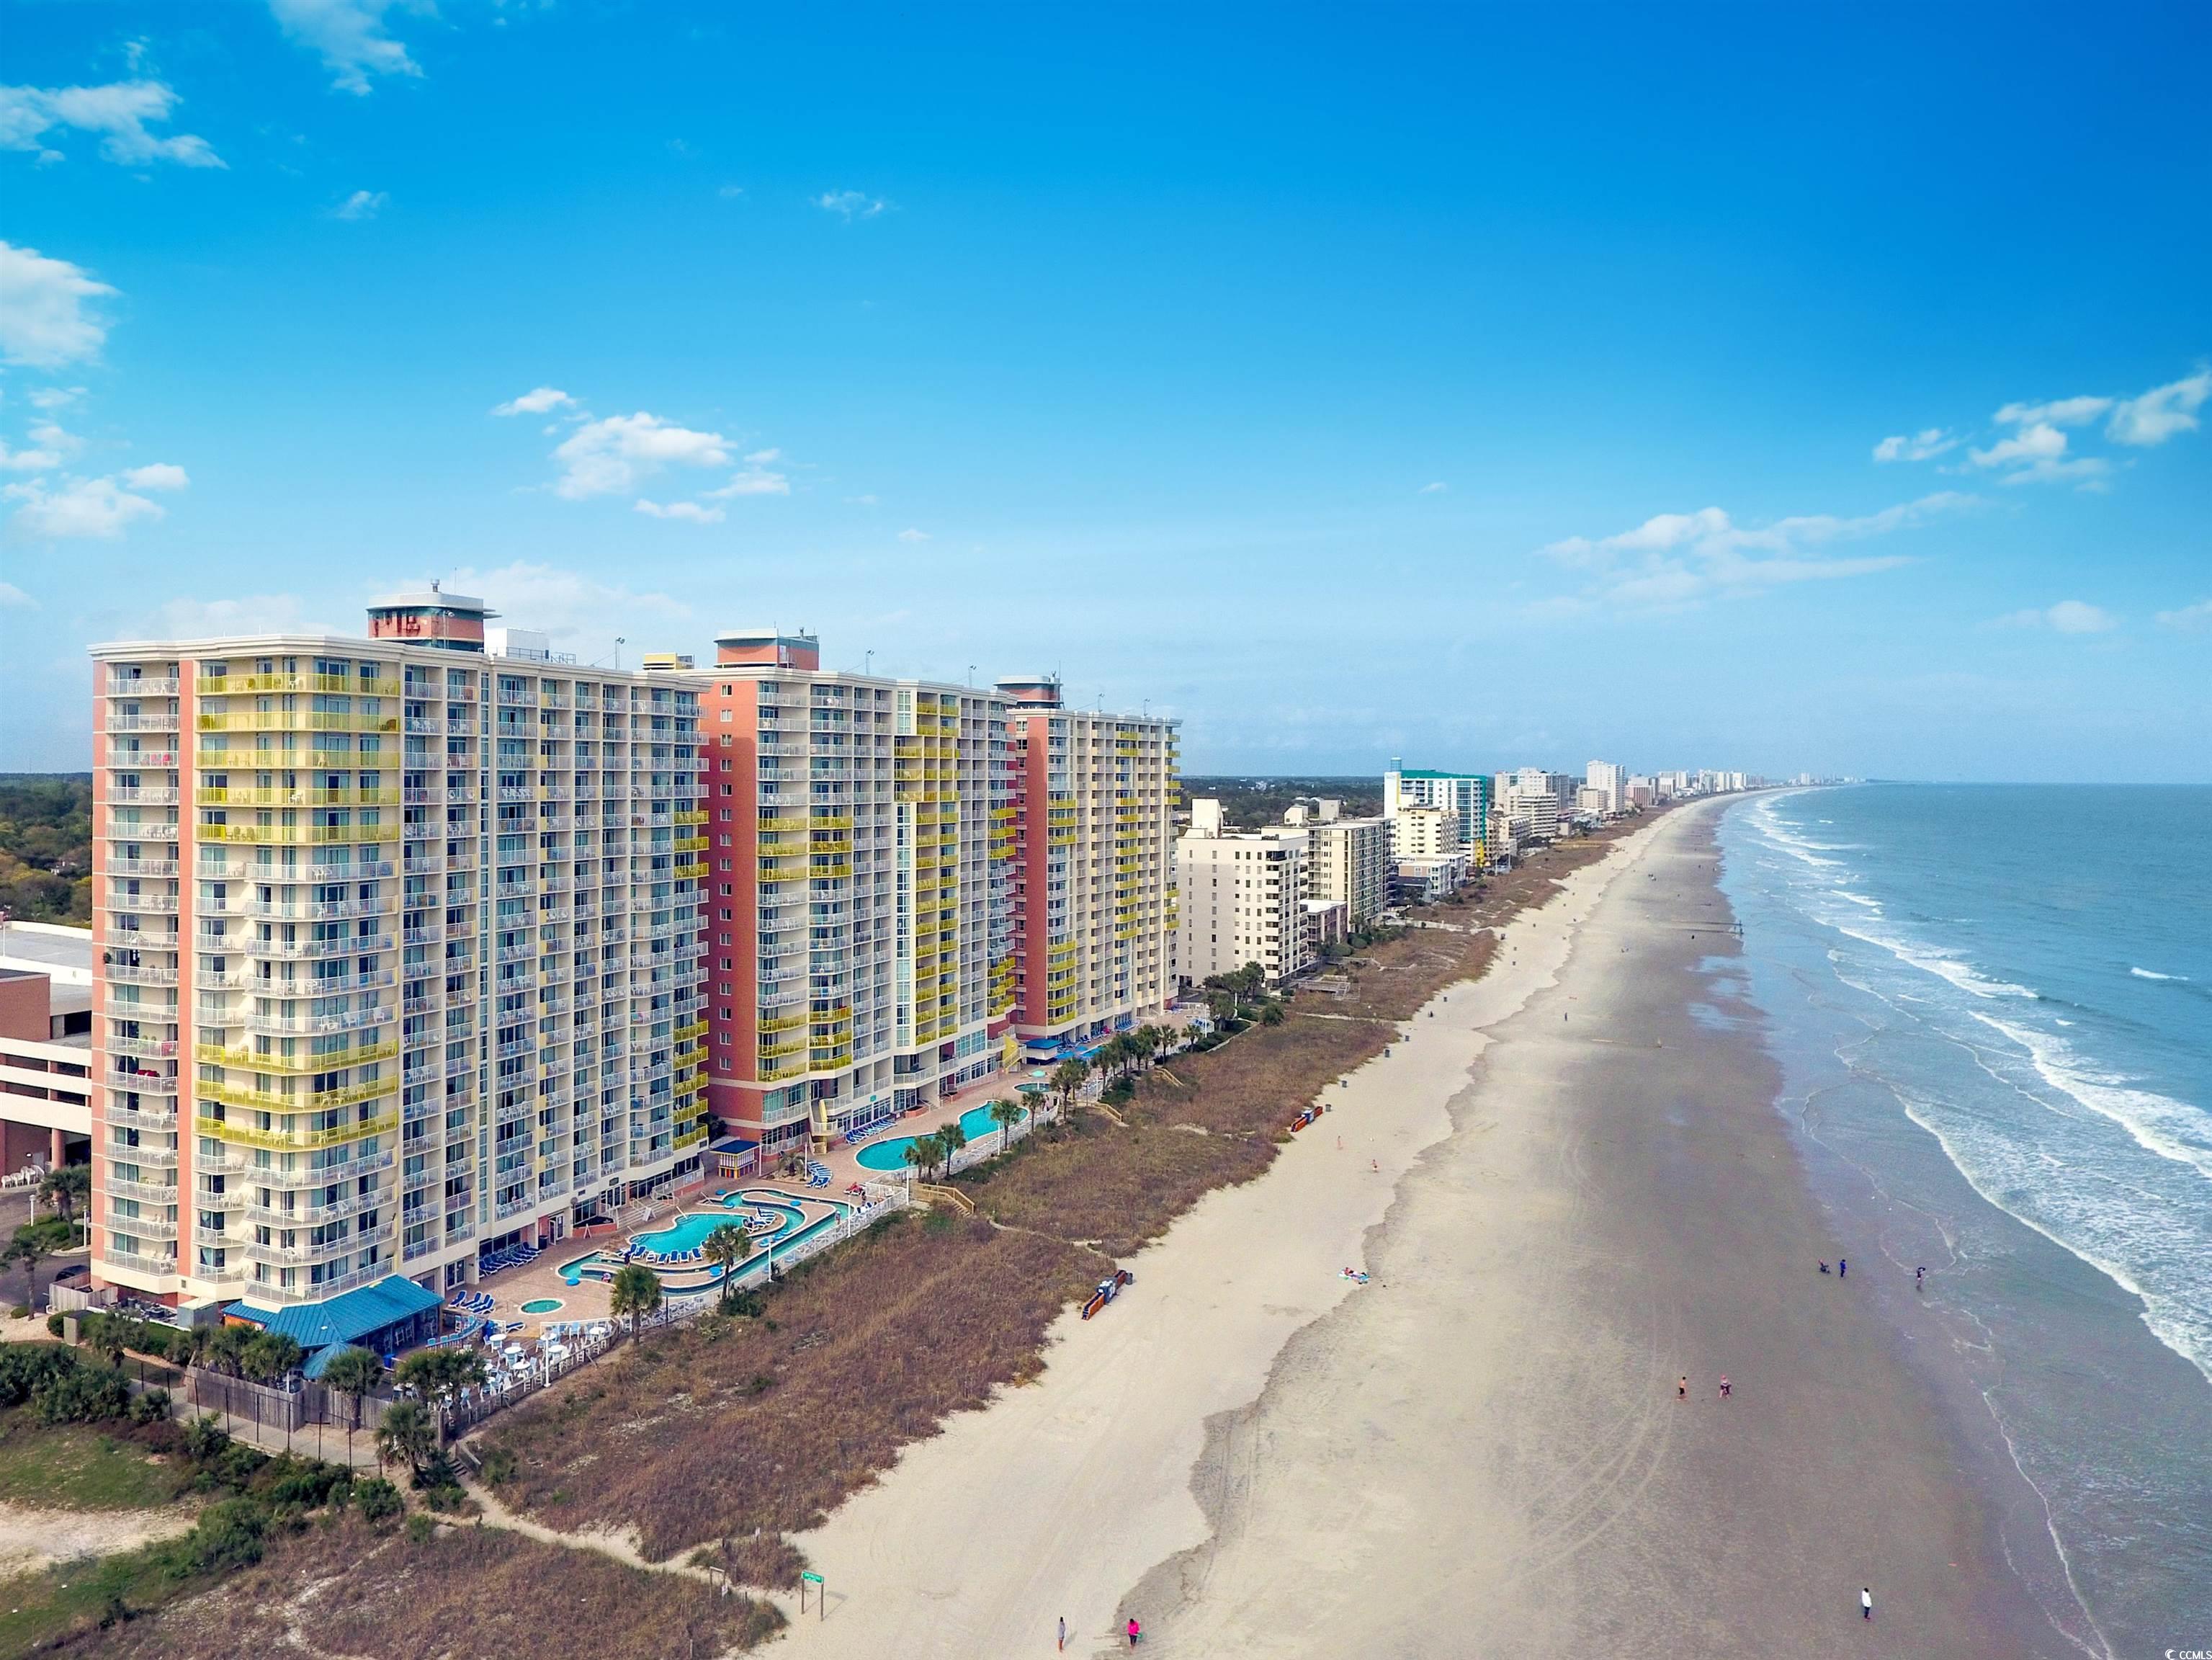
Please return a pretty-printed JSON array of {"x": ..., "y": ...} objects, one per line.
[
  {"x": 1496, "y": 1440},
  {"x": 1055, "y": 1497}
]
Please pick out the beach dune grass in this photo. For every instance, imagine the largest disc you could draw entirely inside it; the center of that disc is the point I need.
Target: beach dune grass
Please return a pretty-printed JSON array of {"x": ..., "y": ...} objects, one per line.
[
  {"x": 353, "y": 1589},
  {"x": 724, "y": 1427}
]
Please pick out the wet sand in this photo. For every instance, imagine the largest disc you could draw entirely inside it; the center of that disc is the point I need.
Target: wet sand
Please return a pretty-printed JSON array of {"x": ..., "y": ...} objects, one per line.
[{"x": 1485, "y": 1454}]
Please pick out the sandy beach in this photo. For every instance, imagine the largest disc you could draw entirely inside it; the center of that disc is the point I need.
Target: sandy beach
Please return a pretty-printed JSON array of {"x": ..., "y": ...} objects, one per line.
[{"x": 1570, "y": 1189}]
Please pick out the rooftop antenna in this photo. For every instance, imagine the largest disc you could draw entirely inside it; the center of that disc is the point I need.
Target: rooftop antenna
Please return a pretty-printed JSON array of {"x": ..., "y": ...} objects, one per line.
[
  {"x": 619, "y": 643},
  {"x": 867, "y": 662},
  {"x": 971, "y": 674}
]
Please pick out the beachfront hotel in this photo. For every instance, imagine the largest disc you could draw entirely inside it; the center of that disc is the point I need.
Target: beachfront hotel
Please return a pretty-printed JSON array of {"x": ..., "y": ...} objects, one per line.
[
  {"x": 1468, "y": 794},
  {"x": 397, "y": 952},
  {"x": 862, "y": 894},
  {"x": 1242, "y": 897},
  {"x": 1094, "y": 894}
]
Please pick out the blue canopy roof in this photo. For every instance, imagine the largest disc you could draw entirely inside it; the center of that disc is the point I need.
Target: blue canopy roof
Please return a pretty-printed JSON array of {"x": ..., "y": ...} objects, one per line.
[{"x": 346, "y": 1317}]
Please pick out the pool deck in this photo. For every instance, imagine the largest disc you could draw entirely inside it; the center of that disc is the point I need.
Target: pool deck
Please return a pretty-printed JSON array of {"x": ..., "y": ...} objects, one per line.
[{"x": 589, "y": 1300}]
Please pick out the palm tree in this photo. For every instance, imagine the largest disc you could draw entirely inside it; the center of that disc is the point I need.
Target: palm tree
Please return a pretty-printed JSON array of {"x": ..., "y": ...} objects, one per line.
[
  {"x": 65, "y": 1187},
  {"x": 952, "y": 1138},
  {"x": 727, "y": 1247},
  {"x": 440, "y": 1376},
  {"x": 1006, "y": 1115},
  {"x": 636, "y": 1291},
  {"x": 406, "y": 1434},
  {"x": 270, "y": 1358},
  {"x": 352, "y": 1372},
  {"x": 918, "y": 1154},
  {"x": 1068, "y": 1078},
  {"x": 30, "y": 1247}
]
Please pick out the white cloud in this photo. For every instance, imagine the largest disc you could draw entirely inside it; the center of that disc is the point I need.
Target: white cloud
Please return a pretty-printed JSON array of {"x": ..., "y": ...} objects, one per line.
[
  {"x": 32, "y": 460},
  {"x": 2198, "y": 615},
  {"x": 56, "y": 398},
  {"x": 43, "y": 319},
  {"x": 1915, "y": 447},
  {"x": 89, "y": 508},
  {"x": 602, "y": 456},
  {"x": 754, "y": 481},
  {"x": 2157, "y": 415},
  {"x": 1439, "y": 488},
  {"x": 361, "y": 205},
  {"x": 350, "y": 34},
  {"x": 731, "y": 192},
  {"x": 851, "y": 205},
  {"x": 2061, "y": 412},
  {"x": 584, "y": 614},
  {"x": 1675, "y": 559},
  {"x": 13, "y": 598},
  {"x": 691, "y": 510},
  {"x": 535, "y": 403},
  {"x": 49, "y": 437},
  {"x": 118, "y": 112},
  {"x": 762, "y": 458},
  {"x": 2067, "y": 616},
  {"x": 252, "y": 613},
  {"x": 910, "y": 534},
  {"x": 2036, "y": 453}
]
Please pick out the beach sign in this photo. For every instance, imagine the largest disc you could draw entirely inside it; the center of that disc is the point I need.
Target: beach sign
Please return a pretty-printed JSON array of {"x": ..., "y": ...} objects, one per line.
[{"x": 821, "y": 1597}]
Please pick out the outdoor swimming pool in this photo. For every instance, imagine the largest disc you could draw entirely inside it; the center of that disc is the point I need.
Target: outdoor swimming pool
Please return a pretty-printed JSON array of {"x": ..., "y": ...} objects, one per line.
[
  {"x": 543, "y": 1305},
  {"x": 688, "y": 1232},
  {"x": 976, "y": 1123}
]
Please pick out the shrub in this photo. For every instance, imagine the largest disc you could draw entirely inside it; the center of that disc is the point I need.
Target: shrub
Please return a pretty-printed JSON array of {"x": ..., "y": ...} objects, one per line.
[
  {"x": 205, "y": 1438},
  {"x": 84, "y": 1394},
  {"x": 54, "y": 1324},
  {"x": 151, "y": 1406},
  {"x": 498, "y": 1465},
  {"x": 421, "y": 1529},
  {"x": 26, "y": 1368},
  {"x": 376, "y": 1499},
  {"x": 227, "y": 1535},
  {"x": 20, "y": 1311}
]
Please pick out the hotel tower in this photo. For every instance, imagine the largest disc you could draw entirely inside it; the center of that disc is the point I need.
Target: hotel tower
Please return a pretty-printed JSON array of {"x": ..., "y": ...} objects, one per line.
[
  {"x": 863, "y": 930},
  {"x": 399, "y": 953},
  {"x": 1095, "y": 886}
]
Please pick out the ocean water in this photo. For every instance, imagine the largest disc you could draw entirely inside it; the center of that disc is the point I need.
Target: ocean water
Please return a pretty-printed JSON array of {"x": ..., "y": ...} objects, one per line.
[{"x": 1993, "y": 1010}]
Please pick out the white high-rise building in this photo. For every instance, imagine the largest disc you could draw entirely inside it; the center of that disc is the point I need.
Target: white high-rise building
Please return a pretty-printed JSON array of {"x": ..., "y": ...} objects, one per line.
[
  {"x": 400, "y": 954},
  {"x": 1610, "y": 780},
  {"x": 1241, "y": 895}
]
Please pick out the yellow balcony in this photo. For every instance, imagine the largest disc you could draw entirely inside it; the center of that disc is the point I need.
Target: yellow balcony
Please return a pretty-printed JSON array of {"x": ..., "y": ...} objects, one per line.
[
  {"x": 214, "y": 1054},
  {"x": 210, "y": 795},
  {"x": 293, "y": 835},
  {"x": 295, "y": 721},
  {"x": 695, "y": 817},
  {"x": 796, "y": 1045},
  {"x": 349, "y": 1094},
  {"x": 781, "y": 1023},
  {"x": 293, "y": 1140}
]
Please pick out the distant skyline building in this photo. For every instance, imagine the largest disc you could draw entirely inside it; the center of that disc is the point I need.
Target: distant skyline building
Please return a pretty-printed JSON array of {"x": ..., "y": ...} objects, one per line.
[
  {"x": 1242, "y": 897},
  {"x": 1468, "y": 794}
]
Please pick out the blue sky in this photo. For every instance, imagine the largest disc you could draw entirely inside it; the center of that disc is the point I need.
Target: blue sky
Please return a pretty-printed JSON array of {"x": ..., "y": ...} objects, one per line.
[{"x": 1806, "y": 388}]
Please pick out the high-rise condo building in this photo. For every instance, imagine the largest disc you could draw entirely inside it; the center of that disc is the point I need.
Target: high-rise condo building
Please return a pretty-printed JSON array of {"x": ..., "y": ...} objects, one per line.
[
  {"x": 1610, "y": 779},
  {"x": 1095, "y": 896},
  {"x": 1350, "y": 864},
  {"x": 1242, "y": 897},
  {"x": 1467, "y": 794},
  {"x": 399, "y": 953},
  {"x": 862, "y": 925}
]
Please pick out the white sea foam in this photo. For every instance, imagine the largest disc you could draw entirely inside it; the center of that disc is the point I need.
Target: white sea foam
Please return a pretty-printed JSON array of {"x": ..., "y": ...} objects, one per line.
[
  {"x": 2153, "y": 974},
  {"x": 2157, "y": 1124}
]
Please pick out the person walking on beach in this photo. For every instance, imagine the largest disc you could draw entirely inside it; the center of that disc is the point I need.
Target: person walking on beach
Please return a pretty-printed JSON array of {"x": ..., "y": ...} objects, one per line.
[
  {"x": 1866, "y": 1602},
  {"x": 1135, "y": 1631},
  {"x": 1682, "y": 1390},
  {"x": 1919, "y": 1278},
  {"x": 1063, "y": 1633},
  {"x": 1843, "y": 1269},
  {"x": 1724, "y": 1386}
]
